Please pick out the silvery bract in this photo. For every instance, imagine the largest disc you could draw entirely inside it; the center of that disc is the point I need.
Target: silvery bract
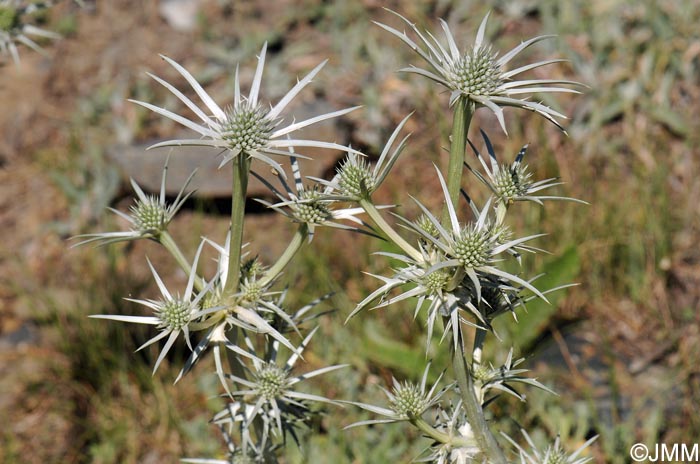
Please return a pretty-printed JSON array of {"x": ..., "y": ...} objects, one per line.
[
  {"x": 479, "y": 75},
  {"x": 246, "y": 127}
]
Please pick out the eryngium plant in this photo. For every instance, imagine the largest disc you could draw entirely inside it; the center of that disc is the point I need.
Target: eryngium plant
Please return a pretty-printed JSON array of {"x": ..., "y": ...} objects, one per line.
[{"x": 450, "y": 263}]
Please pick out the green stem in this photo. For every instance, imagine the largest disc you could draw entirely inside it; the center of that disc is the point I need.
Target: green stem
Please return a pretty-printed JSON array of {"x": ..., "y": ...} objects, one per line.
[
  {"x": 438, "y": 436},
  {"x": 241, "y": 169},
  {"x": 391, "y": 234},
  {"x": 294, "y": 246},
  {"x": 475, "y": 414},
  {"x": 460, "y": 129},
  {"x": 169, "y": 244}
]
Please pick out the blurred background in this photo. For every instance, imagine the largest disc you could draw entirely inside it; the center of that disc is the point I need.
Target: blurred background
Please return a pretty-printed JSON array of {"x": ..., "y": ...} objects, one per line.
[{"x": 621, "y": 349}]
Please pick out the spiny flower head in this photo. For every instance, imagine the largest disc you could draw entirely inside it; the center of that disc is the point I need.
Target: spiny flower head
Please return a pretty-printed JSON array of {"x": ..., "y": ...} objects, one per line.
[
  {"x": 355, "y": 177},
  {"x": 174, "y": 314},
  {"x": 408, "y": 399},
  {"x": 150, "y": 215},
  {"x": 246, "y": 128},
  {"x": 511, "y": 182},
  {"x": 271, "y": 388},
  {"x": 554, "y": 454},
  {"x": 473, "y": 246},
  {"x": 271, "y": 380},
  {"x": 312, "y": 207},
  {"x": 436, "y": 281},
  {"x": 478, "y": 76},
  {"x": 477, "y": 73}
]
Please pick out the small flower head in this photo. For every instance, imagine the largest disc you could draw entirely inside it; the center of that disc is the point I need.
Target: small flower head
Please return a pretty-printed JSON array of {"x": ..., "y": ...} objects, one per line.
[
  {"x": 150, "y": 215},
  {"x": 478, "y": 75},
  {"x": 407, "y": 401},
  {"x": 511, "y": 182},
  {"x": 272, "y": 389},
  {"x": 355, "y": 177},
  {"x": 473, "y": 246},
  {"x": 436, "y": 282},
  {"x": 553, "y": 454},
  {"x": 313, "y": 206},
  {"x": 173, "y": 313},
  {"x": 246, "y": 128},
  {"x": 271, "y": 380}
]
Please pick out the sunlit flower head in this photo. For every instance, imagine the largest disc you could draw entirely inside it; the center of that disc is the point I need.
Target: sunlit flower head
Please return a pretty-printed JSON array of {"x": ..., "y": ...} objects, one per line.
[
  {"x": 314, "y": 206},
  {"x": 271, "y": 388},
  {"x": 246, "y": 127},
  {"x": 478, "y": 74},
  {"x": 149, "y": 215},
  {"x": 407, "y": 401},
  {"x": 172, "y": 313},
  {"x": 512, "y": 182}
]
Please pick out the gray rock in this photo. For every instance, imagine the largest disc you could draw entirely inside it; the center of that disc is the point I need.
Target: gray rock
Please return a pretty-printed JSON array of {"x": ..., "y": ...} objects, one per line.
[{"x": 181, "y": 15}]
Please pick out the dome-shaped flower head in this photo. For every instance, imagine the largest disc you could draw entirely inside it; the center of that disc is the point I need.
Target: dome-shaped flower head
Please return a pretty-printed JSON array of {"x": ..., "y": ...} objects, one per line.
[
  {"x": 479, "y": 75},
  {"x": 246, "y": 127}
]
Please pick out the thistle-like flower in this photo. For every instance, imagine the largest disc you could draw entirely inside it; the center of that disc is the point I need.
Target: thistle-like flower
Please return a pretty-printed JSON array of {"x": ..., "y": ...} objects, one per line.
[
  {"x": 271, "y": 389},
  {"x": 472, "y": 248},
  {"x": 173, "y": 312},
  {"x": 311, "y": 206},
  {"x": 13, "y": 29},
  {"x": 500, "y": 378},
  {"x": 512, "y": 182},
  {"x": 356, "y": 180},
  {"x": 246, "y": 128},
  {"x": 553, "y": 454},
  {"x": 247, "y": 310},
  {"x": 149, "y": 215},
  {"x": 479, "y": 75},
  {"x": 408, "y": 401}
]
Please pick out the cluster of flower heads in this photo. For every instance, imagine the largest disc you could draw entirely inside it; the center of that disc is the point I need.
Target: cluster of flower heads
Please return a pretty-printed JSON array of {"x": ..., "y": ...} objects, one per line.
[
  {"x": 16, "y": 17},
  {"x": 453, "y": 266}
]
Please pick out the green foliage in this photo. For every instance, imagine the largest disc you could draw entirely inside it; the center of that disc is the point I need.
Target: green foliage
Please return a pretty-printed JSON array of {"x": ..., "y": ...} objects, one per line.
[{"x": 559, "y": 270}]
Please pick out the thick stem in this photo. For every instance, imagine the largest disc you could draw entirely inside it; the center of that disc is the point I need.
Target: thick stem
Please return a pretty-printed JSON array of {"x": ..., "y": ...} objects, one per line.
[
  {"x": 294, "y": 246},
  {"x": 169, "y": 244},
  {"x": 460, "y": 128},
  {"x": 475, "y": 414},
  {"x": 241, "y": 170},
  {"x": 438, "y": 436},
  {"x": 391, "y": 234}
]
